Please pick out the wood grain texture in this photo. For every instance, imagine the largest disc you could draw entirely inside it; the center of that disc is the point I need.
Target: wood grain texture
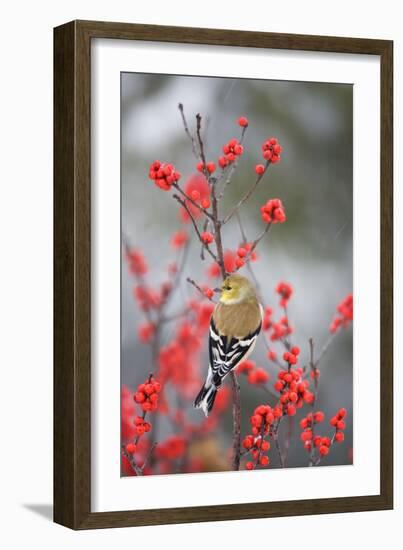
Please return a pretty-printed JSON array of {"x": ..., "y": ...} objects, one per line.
[{"x": 72, "y": 274}]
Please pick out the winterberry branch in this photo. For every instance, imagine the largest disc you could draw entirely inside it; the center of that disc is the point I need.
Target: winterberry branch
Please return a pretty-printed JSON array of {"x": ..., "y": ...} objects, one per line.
[
  {"x": 204, "y": 244},
  {"x": 204, "y": 210},
  {"x": 199, "y": 288}
]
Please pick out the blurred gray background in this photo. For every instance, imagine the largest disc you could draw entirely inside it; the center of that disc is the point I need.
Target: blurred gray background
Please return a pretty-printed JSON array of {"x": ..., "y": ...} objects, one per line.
[{"x": 312, "y": 250}]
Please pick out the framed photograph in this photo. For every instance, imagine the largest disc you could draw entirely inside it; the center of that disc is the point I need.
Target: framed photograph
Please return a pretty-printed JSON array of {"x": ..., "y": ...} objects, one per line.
[{"x": 223, "y": 202}]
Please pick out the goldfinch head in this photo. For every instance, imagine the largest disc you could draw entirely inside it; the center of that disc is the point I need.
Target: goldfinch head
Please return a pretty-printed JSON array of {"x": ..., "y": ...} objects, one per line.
[{"x": 235, "y": 289}]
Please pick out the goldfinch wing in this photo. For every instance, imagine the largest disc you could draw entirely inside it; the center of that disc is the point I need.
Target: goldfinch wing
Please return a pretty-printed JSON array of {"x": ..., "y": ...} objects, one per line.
[{"x": 225, "y": 353}]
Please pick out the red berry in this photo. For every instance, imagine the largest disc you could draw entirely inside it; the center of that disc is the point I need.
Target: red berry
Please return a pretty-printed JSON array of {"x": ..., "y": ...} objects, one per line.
[
  {"x": 278, "y": 386},
  {"x": 292, "y": 359},
  {"x": 242, "y": 252},
  {"x": 339, "y": 437},
  {"x": 293, "y": 396},
  {"x": 333, "y": 421},
  {"x": 323, "y": 450},
  {"x": 341, "y": 425},
  {"x": 264, "y": 460},
  {"x": 210, "y": 167},
  {"x": 208, "y": 292},
  {"x": 306, "y": 435},
  {"x": 239, "y": 262},
  {"x": 247, "y": 443},
  {"x": 131, "y": 448},
  {"x": 200, "y": 166},
  {"x": 259, "y": 169},
  {"x": 207, "y": 237},
  {"x": 295, "y": 350},
  {"x": 243, "y": 121},
  {"x": 149, "y": 389},
  {"x": 342, "y": 413},
  {"x": 222, "y": 161},
  {"x": 265, "y": 445},
  {"x": 139, "y": 397},
  {"x": 319, "y": 416},
  {"x": 291, "y": 410},
  {"x": 195, "y": 195},
  {"x": 249, "y": 466},
  {"x": 205, "y": 203}
]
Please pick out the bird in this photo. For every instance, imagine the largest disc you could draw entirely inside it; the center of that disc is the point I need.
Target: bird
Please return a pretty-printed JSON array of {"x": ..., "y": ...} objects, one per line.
[{"x": 234, "y": 328}]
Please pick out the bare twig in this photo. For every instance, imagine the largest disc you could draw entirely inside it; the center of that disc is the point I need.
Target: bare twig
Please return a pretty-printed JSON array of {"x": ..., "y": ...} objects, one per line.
[
  {"x": 277, "y": 443},
  {"x": 236, "y": 415},
  {"x": 201, "y": 145},
  {"x": 187, "y": 131},
  {"x": 247, "y": 195}
]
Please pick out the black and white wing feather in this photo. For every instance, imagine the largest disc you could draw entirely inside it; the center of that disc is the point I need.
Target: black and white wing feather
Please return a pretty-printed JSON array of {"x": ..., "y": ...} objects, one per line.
[{"x": 226, "y": 353}]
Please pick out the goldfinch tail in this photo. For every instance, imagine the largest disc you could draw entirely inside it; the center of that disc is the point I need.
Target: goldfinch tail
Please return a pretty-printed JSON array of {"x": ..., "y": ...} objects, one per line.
[{"x": 205, "y": 398}]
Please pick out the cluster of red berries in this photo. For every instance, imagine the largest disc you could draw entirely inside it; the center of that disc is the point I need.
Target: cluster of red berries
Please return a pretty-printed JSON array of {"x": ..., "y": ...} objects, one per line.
[
  {"x": 208, "y": 167},
  {"x": 137, "y": 263},
  {"x": 256, "y": 375},
  {"x": 146, "y": 332},
  {"x": 164, "y": 175},
  {"x": 272, "y": 150},
  {"x": 307, "y": 424},
  {"x": 338, "y": 422},
  {"x": 207, "y": 237},
  {"x": 267, "y": 318},
  {"x": 263, "y": 418},
  {"x": 231, "y": 150},
  {"x": 292, "y": 356},
  {"x": 179, "y": 239},
  {"x": 273, "y": 211},
  {"x": 261, "y": 422},
  {"x": 141, "y": 426},
  {"x": 257, "y": 446},
  {"x": 147, "y": 395},
  {"x": 294, "y": 391},
  {"x": 280, "y": 330},
  {"x": 344, "y": 314},
  {"x": 285, "y": 292}
]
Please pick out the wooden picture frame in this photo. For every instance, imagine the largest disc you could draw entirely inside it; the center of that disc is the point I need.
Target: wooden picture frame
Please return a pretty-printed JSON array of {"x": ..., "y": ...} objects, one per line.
[{"x": 72, "y": 273}]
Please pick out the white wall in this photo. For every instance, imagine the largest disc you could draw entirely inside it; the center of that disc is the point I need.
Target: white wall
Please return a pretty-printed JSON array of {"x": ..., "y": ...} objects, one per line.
[{"x": 26, "y": 280}]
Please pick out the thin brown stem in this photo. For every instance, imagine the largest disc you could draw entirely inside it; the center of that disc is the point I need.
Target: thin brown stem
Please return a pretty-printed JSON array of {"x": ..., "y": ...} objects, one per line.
[
  {"x": 247, "y": 194},
  {"x": 199, "y": 288},
  {"x": 277, "y": 443},
  {"x": 205, "y": 245},
  {"x": 236, "y": 415},
  {"x": 204, "y": 210},
  {"x": 187, "y": 131}
]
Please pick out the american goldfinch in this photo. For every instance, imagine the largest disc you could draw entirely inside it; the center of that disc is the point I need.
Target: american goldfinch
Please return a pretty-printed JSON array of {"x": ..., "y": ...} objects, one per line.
[{"x": 234, "y": 328}]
